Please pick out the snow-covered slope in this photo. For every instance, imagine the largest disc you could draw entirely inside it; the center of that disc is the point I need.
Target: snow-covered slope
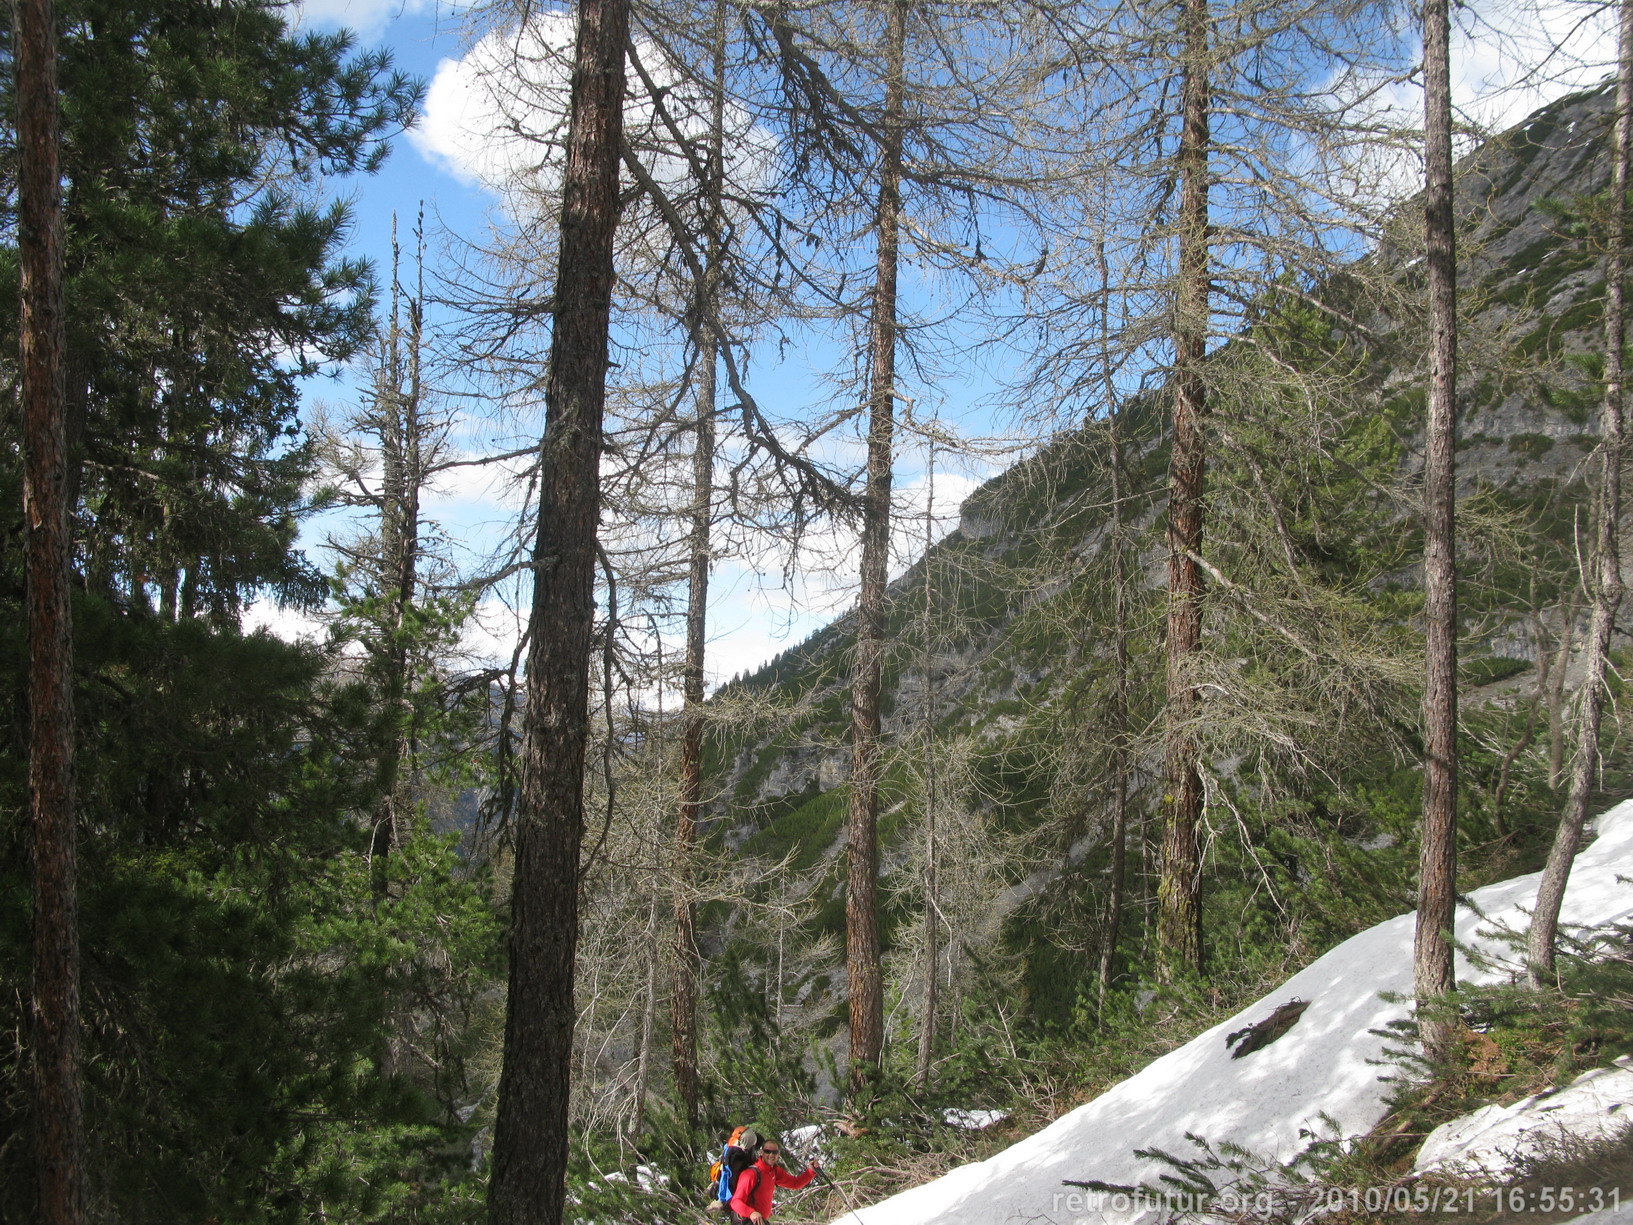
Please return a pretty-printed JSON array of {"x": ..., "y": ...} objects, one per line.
[
  {"x": 1324, "y": 1065},
  {"x": 1492, "y": 1142}
]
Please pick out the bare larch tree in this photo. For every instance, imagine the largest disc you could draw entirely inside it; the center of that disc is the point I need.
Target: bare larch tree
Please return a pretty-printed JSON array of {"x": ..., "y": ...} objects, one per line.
[
  {"x": 866, "y": 979},
  {"x": 1605, "y": 576},
  {"x": 1179, "y": 888},
  {"x": 706, "y": 354},
  {"x": 1437, "y": 864},
  {"x": 530, "y": 1131}
]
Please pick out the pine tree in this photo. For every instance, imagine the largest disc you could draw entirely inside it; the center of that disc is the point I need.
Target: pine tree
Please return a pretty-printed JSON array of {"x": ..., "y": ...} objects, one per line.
[
  {"x": 188, "y": 283},
  {"x": 54, "y": 1013},
  {"x": 197, "y": 288}
]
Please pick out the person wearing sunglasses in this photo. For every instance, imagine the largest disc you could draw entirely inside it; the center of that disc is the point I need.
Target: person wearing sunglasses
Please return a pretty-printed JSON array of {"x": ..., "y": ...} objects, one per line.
[{"x": 752, "y": 1192}]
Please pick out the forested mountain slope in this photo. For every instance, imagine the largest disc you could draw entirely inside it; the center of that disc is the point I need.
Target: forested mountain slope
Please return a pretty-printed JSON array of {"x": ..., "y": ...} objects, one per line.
[
  {"x": 254, "y": 974},
  {"x": 1002, "y": 677}
]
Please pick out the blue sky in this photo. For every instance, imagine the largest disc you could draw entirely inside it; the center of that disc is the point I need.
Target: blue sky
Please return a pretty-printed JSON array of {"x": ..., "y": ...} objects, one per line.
[
  {"x": 442, "y": 166},
  {"x": 757, "y": 607}
]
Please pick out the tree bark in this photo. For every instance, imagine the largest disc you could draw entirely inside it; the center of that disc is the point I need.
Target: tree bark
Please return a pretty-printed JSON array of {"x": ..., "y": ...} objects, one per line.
[
  {"x": 932, "y": 848},
  {"x": 1118, "y": 868},
  {"x": 649, "y": 1018},
  {"x": 866, "y": 980},
  {"x": 530, "y": 1132},
  {"x": 706, "y": 341},
  {"x": 1179, "y": 886},
  {"x": 1555, "y": 690},
  {"x": 54, "y": 1025},
  {"x": 688, "y": 957},
  {"x": 1607, "y": 556},
  {"x": 932, "y": 933},
  {"x": 1437, "y": 864}
]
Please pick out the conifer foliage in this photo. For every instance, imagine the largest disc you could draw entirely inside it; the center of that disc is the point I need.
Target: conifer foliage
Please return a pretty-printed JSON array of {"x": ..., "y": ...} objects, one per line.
[
  {"x": 239, "y": 959},
  {"x": 1009, "y": 801}
]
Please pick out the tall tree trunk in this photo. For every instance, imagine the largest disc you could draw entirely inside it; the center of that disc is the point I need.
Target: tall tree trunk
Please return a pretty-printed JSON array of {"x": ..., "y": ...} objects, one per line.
[
  {"x": 932, "y": 930},
  {"x": 688, "y": 957},
  {"x": 397, "y": 404},
  {"x": 706, "y": 341},
  {"x": 1437, "y": 864},
  {"x": 530, "y": 1132},
  {"x": 866, "y": 979},
  {"x": 1179, "y": 886},
  {"x": 58, "y": 1106},
  {"x": 1116, "y": 884},
  {"x": 1120, "y": 630},
  {"x": 1555, "y": 689},
  {"x": 1607, "y": 554},
  {"x": 932, "y": 848}
]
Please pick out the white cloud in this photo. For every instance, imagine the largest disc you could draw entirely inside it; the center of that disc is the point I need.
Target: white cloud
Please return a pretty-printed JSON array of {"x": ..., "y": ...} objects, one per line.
[
  {"x": 1509, "y": 60},
  {"x": 491, "y": 635},
  {"x": 496, "y": 486},
  {"x": 496, "y": 117},
  {"x": 760, "y": 608},
  {"x": 746, "y": 639},
  {"x": 290, "y": 624}
]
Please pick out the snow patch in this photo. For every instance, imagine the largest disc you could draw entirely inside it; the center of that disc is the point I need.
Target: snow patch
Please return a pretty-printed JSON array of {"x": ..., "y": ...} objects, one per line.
[
  {"x": 972, "y": 1120},
  {"x": 1620, "y": 1214},
  {"x": 1497, "y": 1140},
  {"x": 810, "y": 1142},
  {"x": 650, "y": 1179},
  {"x": 1325, "y": 1068}
]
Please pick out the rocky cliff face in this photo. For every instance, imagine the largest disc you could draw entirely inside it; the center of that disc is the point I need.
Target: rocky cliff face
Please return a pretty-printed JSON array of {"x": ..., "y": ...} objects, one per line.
[{"x": 1533, "y": 291}]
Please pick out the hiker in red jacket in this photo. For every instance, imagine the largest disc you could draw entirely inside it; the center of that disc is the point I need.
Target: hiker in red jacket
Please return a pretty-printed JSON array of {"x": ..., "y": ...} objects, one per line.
[{"x": 752, "y": 1192}]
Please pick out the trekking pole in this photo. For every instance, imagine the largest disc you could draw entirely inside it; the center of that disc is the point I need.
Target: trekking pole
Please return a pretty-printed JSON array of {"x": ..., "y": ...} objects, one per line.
[{"x": 850, "y": 1208}]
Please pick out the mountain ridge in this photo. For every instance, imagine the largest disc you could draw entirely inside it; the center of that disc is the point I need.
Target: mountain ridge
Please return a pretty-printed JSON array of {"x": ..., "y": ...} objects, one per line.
[
  {"x": 999, "y": 684},
  {"x": 1501, "y": 231}
]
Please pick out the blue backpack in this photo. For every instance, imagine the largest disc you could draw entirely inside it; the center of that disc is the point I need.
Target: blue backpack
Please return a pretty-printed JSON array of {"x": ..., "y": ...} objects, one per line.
[{"x": 734, "y": 1159}]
